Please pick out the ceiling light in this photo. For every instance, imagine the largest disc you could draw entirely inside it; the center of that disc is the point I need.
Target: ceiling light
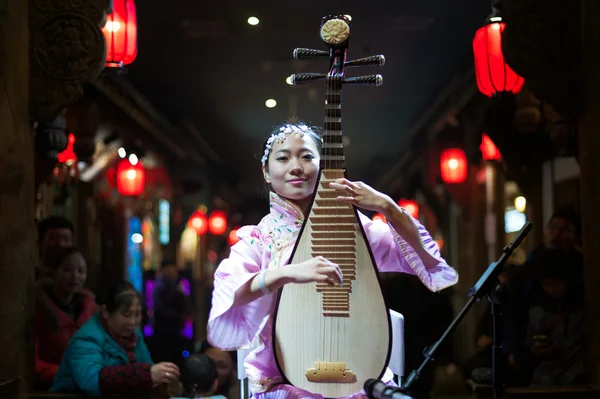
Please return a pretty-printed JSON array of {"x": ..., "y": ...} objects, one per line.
[
  {"x": 289, "y": 80},
  {"x": 253, "y": 21},
  {"x": 133, "y": 159},
  {"x": 270, "y": 103}
]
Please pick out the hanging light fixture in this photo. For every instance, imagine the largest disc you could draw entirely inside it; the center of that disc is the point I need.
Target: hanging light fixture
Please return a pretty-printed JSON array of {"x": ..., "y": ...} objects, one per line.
[
  {"x": 131, "y": 177},
  {"x": 120, "y": 33},
  {"x": 379, "y": 217},
  {"x": 493, "y": 74},
  {"x": 217, "y": 223},
  {"x": 232, "y": 238},
  {"x": 453, "y": 165},
  {"x": 411, "y": 206},
  {"x": 198, "y": 222},
  {"x": 489, "y": 151},
  {"x": 68, "y": 155}
]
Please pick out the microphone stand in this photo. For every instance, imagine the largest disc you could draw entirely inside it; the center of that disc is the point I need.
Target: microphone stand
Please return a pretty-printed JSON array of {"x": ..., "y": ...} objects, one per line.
[{"x": 486, "y": 286}]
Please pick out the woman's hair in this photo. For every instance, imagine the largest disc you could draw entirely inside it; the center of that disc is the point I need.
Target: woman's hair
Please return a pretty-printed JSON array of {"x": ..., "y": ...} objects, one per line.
[
  {"x": 119, "y": 295},
  {"x": 314, "y": 132},
  {"x": 198, "y": 375},
  {"x": 62, "y": 255}
]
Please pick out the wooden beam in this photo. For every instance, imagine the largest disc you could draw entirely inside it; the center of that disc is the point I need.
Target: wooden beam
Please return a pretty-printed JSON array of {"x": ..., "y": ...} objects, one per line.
[
  {"x": 589, "y": 163},
  {"x": 17, "y": 229}
]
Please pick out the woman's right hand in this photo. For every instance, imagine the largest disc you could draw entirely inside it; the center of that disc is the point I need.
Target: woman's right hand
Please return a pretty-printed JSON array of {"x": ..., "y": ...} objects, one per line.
[
  {"x": 164, "y": 373},
  {"x": 316, "y": 269}
]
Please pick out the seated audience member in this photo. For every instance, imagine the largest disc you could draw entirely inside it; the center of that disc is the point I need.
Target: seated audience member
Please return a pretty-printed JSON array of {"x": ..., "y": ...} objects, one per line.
[
  {"x": 556, "y": 322},
  {"x": 108, "y": 356},
  {"x": 563, "y": 232},
  {"x": 199, "y": 378},
  {"x": 225, "y": 363},
  {"x": 54, "y": 233},
  {"x": 62, "y": 307}
]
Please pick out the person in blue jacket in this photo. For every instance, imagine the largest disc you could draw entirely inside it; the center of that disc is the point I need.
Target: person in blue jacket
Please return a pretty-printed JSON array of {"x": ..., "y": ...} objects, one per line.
[{"x": 108, "y": 356}]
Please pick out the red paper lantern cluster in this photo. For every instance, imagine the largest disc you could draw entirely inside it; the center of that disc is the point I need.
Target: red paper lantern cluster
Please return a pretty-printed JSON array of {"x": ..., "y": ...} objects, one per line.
[
  {"x": 217, "y": 223},
  {"x": 493, "y": 73},
  {"x": 120, "y": 33},
  {"x": 453, "y": 165},
  {"x": 411, "y": 206},
  {"x": 131, "y": 178},
  {"x": 199, "y": 222}
]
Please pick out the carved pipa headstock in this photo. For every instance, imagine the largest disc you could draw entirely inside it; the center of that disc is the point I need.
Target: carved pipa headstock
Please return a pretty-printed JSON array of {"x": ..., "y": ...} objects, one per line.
[{"x": 335, "y": 32}]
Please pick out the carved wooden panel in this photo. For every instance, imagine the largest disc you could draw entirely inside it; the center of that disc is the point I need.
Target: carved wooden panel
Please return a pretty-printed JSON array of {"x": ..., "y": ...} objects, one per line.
[
  {"x": 542, "y": 43},
  {"x": 67, "y": 49}
]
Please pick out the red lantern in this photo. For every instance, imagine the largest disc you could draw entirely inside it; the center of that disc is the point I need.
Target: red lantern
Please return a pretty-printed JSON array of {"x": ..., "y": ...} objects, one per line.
[
  {"x": 199, "y": 222},
  {"x": 411, "y": 207},
  {"x": 120, "y": 33},
  {"x": 217, "y": 223},
  {"x": 131, "y": 178},
  {"x": 489, "y": 151},
  {"x": 440, "y": 244},
  {"x": 453, "y": 165},
  {"x": 232, "y": 239},
  {"x": 379, "y": 217},
  {"x": 68, "y": 155},
  {"x": 493, "y": 74}
]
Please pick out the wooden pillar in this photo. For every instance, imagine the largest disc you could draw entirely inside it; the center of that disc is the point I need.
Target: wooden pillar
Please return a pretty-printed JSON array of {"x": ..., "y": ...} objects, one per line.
[
  {"x": 17, "y": 228},
  {"x": 589, "y": 162}
]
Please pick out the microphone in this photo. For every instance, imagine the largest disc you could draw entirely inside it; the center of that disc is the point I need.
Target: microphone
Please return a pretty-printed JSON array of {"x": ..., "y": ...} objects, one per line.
[{"x": 376, "y": 389}]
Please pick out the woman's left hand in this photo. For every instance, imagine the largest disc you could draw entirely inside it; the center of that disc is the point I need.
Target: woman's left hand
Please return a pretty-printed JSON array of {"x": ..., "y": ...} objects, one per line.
[{"x": 362, "y": 195}]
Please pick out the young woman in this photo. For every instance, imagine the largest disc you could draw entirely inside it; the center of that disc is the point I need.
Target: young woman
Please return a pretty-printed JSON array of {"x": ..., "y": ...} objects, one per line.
[
  {"x": 108, "y": 356},
  {"x": 62, "y": 307},
  {"x": 245, "y": 282}
]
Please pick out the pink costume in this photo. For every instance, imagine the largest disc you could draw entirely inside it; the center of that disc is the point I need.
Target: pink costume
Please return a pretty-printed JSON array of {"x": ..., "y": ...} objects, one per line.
[{"x": 269, "y": 245}]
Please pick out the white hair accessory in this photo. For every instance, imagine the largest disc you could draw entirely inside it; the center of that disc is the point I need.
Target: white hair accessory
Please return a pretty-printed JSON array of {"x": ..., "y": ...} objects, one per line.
[{"x": 280, "y": 137}]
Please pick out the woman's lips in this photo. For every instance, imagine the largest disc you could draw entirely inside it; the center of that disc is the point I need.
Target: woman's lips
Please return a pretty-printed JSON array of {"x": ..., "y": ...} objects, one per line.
[{"x": 296, "y": 182}]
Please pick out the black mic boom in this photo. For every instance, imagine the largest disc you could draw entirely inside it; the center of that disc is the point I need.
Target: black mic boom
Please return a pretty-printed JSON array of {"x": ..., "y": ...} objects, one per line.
[{"x": 376, "y": 389}]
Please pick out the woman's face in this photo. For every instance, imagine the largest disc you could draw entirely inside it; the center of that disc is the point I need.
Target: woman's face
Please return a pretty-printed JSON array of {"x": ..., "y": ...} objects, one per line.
[
  {"x": 126, "y": 319},
  {"x": 71, "y": 274},
  {"x": 293, "y": 168}
]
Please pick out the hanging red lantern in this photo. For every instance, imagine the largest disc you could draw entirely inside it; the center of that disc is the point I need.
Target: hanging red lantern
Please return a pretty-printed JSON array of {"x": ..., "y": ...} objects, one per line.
[
  {"x": 131, "y": 177},
  {"x": 232, "y": 239},
  {"x": 411, "y": 206},
  {"x": 453, "y": 165},
  {"x": 489, "y": 151},
  {"x": 217, "y": 223},
  {"x": 493, "y": 73},
  {"x": 120, "y": 33},
  {"x": 199, "y": 222},
  {"x": 68, "y": 155},
  {"x": 379, "y": 217}
]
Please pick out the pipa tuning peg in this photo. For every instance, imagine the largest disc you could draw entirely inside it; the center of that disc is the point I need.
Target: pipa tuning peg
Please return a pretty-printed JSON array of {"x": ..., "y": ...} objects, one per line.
[
  {"x": 372, "y": 61},
  {"x": 309, "y": 54},
  {"x": 369, "y": 80},
  {"x": 301, "y": 78}
]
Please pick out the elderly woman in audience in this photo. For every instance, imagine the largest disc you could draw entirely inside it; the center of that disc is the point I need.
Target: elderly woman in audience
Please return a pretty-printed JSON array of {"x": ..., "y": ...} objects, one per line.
[{"x": 108, "y": 356}]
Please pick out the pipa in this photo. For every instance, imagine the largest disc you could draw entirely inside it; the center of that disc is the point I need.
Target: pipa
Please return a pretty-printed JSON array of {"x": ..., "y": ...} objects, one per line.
[{"x": 330, "y": 339}]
